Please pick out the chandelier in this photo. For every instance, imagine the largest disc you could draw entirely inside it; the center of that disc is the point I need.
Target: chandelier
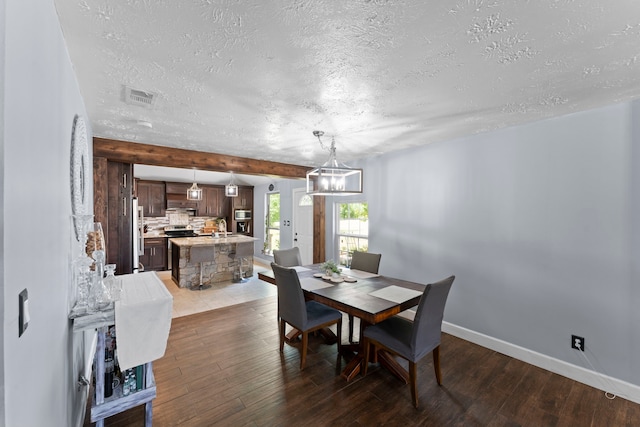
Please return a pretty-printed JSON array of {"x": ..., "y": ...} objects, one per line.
[
  {"x": 333, "y": 178},
  {"x": 231, "y": 189},
  {"x": 194, "y": 193}
]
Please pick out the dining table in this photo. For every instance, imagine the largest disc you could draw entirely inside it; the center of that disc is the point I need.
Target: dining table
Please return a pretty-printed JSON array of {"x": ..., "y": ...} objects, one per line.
[{"x": 370, "y": 297}]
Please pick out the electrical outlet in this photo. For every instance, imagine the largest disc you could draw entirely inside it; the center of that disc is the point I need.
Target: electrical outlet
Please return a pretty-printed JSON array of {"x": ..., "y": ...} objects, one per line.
[{"x": 577, "y": 342}]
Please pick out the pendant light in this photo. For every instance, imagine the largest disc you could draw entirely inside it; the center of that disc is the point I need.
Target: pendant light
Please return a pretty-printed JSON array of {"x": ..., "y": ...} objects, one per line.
[
  {"x": 333, "y": 178},
  {"x": 194, "y": 193},
  {"x": 231, "y": 189}
]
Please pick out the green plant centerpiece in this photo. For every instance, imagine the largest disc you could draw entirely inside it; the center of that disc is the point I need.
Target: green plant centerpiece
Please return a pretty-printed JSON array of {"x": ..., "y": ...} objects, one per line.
[{"x": 330, "y": 268}]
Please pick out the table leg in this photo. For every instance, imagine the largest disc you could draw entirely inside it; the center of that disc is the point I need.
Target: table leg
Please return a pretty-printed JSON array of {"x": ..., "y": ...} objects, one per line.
[
  {"x": 292, "y": 335},
  {"x": 329, "y": 336},
  {"x": 389, "y": 362},
  {"x": 353, "y": 367},
  {"x": 148, "y": 413}
]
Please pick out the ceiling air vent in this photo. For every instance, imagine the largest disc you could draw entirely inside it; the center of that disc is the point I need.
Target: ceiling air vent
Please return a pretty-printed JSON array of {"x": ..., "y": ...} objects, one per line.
[{"x": 139, "y": 97}]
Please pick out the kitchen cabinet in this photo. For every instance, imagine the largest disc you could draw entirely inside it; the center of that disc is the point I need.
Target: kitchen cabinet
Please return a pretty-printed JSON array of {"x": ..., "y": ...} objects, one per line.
[
  {"x": 151, "y": 196},
  {"x": 155, "y": 254},
  {"x": 176, "y": 195},
  {"x": 244, "y": 200},
  {"x": 116, "y": 221},
  {"x": 214, "y": 202}
]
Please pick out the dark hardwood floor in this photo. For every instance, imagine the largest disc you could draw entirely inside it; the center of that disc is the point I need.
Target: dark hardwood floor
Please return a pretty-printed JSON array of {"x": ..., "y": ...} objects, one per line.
[{"x": 223, "y": 367}]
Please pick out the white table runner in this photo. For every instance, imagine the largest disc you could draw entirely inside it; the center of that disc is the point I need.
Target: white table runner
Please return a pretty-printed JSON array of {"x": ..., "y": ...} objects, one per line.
[{"x": 143, "y": 319}]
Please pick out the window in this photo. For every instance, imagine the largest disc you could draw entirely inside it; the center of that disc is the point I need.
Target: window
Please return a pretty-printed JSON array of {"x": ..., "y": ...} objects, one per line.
[
  {"x": 272, "y": 224},
  {"x": 352, "y": 230}
]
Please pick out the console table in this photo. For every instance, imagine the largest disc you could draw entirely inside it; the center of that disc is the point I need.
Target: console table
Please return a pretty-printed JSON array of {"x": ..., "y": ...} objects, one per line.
[{"x": 141, "y": 338}]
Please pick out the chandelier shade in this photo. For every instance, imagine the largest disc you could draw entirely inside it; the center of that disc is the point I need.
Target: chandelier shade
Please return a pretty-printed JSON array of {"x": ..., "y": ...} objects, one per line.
[
  {"x": 333, "y": 178},
  {"x": 231, "y": 190}
]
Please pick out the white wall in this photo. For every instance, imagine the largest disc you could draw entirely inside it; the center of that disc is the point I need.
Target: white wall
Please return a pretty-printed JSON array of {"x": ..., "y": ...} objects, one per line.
[
  {"x": 537, "y": 222},
  {"x": 41, "y": 97}
]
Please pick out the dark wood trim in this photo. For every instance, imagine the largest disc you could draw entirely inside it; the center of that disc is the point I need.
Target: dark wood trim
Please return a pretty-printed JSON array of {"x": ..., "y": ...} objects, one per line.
[
  {"x": 146, "y": 154},
  {"x": 319, "y": 211},
  {"x": 100, "y": 190}
]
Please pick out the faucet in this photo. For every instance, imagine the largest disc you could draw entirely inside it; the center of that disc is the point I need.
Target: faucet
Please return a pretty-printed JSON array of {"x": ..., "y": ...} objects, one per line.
[{"x": 222, "y": 226}]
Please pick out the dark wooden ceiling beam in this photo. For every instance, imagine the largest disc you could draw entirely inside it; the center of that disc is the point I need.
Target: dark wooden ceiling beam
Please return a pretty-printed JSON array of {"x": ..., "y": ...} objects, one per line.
[{"x": 155, "y": 155}]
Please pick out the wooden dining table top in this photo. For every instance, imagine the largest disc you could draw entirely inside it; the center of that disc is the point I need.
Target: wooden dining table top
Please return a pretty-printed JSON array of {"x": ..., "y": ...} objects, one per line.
[{"x": 354, "y": 298}]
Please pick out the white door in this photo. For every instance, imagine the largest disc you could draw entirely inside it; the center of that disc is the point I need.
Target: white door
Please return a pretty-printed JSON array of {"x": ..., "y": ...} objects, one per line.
[{"x": 303, "y": 224}]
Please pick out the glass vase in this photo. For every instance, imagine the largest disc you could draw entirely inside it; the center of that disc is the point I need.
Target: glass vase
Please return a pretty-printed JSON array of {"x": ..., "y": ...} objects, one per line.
[
  {"x": 95, "y": 243},
  {"x": 99, "y": 298},
  {"x": 81, "y": 274}
]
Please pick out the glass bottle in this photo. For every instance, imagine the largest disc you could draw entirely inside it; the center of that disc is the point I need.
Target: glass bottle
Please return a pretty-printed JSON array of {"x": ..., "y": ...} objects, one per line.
[
  {"x": 99, "y": 297},
  {"x": 126, "y": 383},
  {"x": 133, "y": 387},
  {"x": 113, "y": 283}
]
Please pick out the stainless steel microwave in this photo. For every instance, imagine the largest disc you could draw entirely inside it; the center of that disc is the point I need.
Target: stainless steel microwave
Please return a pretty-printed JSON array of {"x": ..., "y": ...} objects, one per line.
[{"x": 242, "y": 215}]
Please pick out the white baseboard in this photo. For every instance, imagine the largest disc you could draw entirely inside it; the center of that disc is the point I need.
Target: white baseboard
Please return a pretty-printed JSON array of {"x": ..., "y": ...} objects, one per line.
[{"x": 577, "y": 373}]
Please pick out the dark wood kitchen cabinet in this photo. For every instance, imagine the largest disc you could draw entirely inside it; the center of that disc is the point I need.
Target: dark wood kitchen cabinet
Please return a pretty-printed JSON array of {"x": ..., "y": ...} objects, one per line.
[
  {"x": 214, "y": 202},
  {"x": 151, "y": 196},
  {"x": 113, "y": 189},
  {"x": 244, "y": 200},
  {"x": 155, "y": 254},
  {"x": 176, "y": 194}
]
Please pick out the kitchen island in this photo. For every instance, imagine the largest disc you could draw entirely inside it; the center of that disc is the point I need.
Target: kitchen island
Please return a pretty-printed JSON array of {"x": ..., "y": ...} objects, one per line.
[{"x": 198, "y": 262}]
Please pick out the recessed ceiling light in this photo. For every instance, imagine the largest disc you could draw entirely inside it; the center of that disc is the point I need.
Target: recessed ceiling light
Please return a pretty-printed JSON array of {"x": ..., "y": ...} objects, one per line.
[{"x": 145, "y": 124}]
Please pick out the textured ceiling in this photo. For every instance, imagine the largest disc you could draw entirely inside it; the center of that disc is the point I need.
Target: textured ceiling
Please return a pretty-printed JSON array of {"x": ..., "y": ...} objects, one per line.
[{"x": 254, "y": 78}]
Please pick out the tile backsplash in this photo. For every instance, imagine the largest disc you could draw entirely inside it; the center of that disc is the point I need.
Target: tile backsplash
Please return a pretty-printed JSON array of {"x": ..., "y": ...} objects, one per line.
[{"x": 160, "y": 222}]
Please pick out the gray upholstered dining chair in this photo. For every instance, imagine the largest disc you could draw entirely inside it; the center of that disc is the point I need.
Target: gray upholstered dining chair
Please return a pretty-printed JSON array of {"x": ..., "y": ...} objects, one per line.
[
  {"x": 306, "y": 316},
  {"x": 413, "y": 340},
  {"x": 287, "y": 257},
  {"x": 363, "y": 261}
]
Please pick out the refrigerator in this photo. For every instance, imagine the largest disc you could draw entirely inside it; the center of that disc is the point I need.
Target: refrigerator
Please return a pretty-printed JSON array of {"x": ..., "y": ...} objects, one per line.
[{"x": 137, "y": 228}]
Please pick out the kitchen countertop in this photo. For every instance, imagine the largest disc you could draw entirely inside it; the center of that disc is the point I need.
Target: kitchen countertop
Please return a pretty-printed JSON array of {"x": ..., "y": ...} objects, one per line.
[{"x": 210, "y": 241}]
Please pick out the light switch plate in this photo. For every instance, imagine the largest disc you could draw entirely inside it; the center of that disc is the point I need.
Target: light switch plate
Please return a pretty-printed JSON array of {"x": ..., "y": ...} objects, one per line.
[{"x": 23, "y": 312}]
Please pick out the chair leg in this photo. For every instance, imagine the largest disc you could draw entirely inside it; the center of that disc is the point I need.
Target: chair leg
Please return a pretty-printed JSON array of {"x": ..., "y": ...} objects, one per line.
[
  {"x": 436, "y": 364},
  {"x": 351, "y": 328},
  {"x": 413, "y": 383},
  {"x": 282, "y": 325},
  {"x": 339, "y": 336},
  {"x": 303, "y": 351}
]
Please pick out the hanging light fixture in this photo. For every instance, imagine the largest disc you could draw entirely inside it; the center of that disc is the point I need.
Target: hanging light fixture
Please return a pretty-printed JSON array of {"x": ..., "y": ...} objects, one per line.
[
  {"x": 231, "y": 189},
  {"x": 194, "y": 193},
  {"x": 333, "y": 178}
]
